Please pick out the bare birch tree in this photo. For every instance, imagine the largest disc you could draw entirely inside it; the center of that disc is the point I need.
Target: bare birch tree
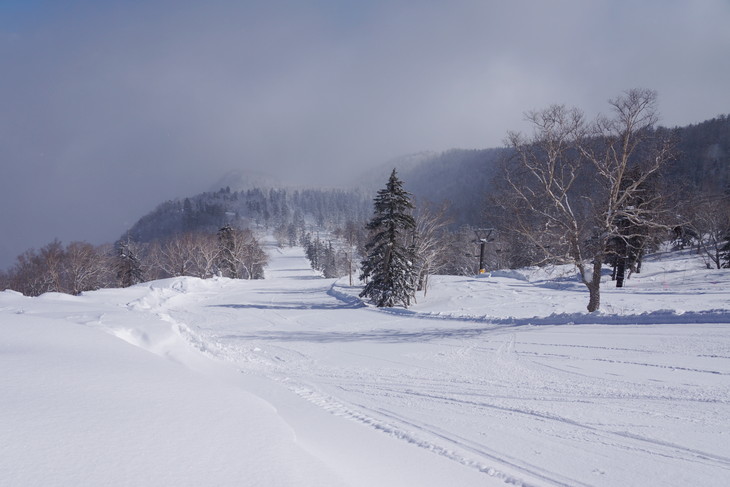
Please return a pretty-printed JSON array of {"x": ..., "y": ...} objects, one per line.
[
  {"x": 205, "y": 258},
  {"x": 710, "y": 222},
  {"x": 72, "y": 269},
  {"x": 192, "y": 254},
  {"x": 351, "y": 237},
  {"x": 86, "y": 267},
  {"x": 574, "y": 183},
  {"x": 430, "y": 243},
  {"x": 28, "y": 275},
  {"x": 241, "y": 255}
]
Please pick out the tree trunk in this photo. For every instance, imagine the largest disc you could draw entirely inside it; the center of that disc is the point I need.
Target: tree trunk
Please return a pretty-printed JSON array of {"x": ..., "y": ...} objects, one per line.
[
  {"x": 620, "y": 271},
  {"x": 594, "y": 286},
  {"x": 639, "y": 260}
]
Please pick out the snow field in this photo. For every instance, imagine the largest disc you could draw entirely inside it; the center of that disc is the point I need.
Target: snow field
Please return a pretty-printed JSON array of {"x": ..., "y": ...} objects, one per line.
[
  {"x": 294, "y": 381},
  {"x": 79, "y": 409}
]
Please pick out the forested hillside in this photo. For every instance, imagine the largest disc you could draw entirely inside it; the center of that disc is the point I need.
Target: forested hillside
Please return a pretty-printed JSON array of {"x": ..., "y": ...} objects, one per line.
[
  {"x": 462, "y": 178},
  {"x": 703, "y": 156},
  {"x": 466, "y": 178},
  {"x": 267, "y": 207}
]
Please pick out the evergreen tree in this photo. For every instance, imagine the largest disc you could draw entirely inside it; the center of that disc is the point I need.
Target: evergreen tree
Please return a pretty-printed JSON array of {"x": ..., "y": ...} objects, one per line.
[
  {"x": 312, "y": 248},
  {"x": 226, "y": 247},
  {"x": 129, "y": 267},
  {"x": 329, "y": 264},
  {"x": 388, "y": 266}
]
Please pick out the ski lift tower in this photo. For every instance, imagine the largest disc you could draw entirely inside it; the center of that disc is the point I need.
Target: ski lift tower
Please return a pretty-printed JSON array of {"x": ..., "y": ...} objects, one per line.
[{"x": 484, "y": 236}]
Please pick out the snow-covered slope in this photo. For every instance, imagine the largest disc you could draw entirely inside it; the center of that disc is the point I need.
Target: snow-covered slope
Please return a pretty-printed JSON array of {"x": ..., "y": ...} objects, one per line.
[{"x": 293, "y": 381}]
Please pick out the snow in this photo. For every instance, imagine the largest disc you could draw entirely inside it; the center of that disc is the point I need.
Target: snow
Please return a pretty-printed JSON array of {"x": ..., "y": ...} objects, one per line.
[{"x": 293, "y": 380}]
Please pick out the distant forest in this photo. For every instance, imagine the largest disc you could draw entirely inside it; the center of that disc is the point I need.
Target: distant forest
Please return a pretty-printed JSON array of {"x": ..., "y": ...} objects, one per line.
[{"x": 257, "y": 207}]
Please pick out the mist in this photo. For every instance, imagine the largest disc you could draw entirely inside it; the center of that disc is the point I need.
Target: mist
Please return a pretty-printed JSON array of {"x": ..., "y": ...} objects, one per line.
[{"x": 109, "y": 108}]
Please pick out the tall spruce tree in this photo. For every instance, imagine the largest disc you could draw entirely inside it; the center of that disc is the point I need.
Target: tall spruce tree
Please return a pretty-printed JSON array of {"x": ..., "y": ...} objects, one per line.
[
  {"x": 388, "y": 267},
  {"x": 128, "y": 265},
  {"x": 226, "y": 247}
]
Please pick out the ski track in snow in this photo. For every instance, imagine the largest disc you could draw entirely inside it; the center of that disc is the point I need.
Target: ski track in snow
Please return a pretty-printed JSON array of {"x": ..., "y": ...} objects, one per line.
[
  {"x": 360, "y": 395},
  {"x": 413, "y": 433}
]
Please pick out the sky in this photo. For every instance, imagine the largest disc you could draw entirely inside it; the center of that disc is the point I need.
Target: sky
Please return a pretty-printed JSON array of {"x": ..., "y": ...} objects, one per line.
[{"x": 108, "y": 108}]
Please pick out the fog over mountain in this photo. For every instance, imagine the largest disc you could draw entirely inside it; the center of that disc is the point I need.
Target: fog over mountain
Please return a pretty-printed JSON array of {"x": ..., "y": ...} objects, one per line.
[{"x": 109, "y": 108}]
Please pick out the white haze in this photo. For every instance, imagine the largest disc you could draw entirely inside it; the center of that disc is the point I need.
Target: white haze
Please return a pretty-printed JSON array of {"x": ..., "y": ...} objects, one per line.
[{"x": 109, "y": 108}]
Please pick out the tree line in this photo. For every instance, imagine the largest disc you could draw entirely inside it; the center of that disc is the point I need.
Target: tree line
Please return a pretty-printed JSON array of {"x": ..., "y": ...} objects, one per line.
[
  {"x": 80, "y": 266},
  {"x": 256, "y": 207},
  {"x": 338, "y": 251}
]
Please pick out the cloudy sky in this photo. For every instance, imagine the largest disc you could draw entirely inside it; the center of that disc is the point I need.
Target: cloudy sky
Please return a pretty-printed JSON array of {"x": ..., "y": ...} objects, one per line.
[{"x": 109, "y": 107}]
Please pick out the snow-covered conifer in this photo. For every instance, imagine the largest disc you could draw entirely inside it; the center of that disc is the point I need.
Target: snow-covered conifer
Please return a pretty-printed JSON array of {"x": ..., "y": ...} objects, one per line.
[
  {"x": 129, "y": 267},
  {"x": 388, "y": 266}
]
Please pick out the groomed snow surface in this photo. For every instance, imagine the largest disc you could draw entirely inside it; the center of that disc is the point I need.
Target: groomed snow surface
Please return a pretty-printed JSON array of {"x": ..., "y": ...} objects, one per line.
[{"x": 293, "y": 381}]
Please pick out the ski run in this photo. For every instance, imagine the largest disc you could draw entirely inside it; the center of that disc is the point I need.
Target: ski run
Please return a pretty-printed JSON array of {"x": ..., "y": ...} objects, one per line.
[{"x": 501, "y": 379}]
